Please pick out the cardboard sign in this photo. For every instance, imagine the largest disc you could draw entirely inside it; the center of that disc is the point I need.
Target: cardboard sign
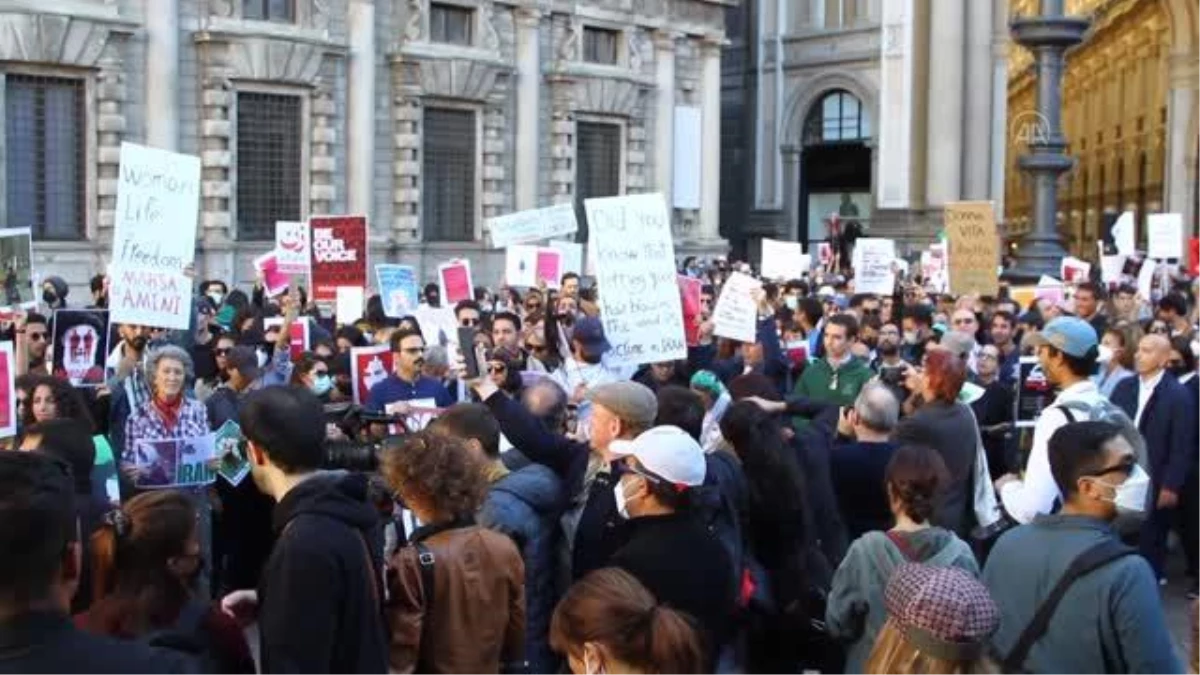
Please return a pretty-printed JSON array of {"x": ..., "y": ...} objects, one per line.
[
  {"x": 339, "y": 255},
  {"x": 16, "y": 264},
  {"x": 397, "y": 289},
  {"x": 736, "y": 314},
  {"x": 532, "y": 225},
  {"x": 531, "y": 265},
  {"x": 635, "y": 265},
  {"x": 80, "y": 346},
  {"x": 1164, "y": 236},
  {"x": 368, "y": 367},
  {"x": 275, "y": 281},
  {"x": 173, "y": 462},
  {"x": 454, "y": 279},
  {"x": 1034, "y": 392},
  {"x": 229, "y": 445},
  {"x": 292, "y": 248},
  {"x": 689, "y": 298},
  {"x": 782, "y": 260},
  {"x": 8, "y": 396},
  {"x": 145, "y": 297},
  {"x": 873, "y": 273},
  {"x": 974, "y": 248},
  {"x": 1074, "y": 271}
]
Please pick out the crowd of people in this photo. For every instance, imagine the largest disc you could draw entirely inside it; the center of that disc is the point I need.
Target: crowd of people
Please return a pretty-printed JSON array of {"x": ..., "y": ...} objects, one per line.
[{"x": 850, "y": 492}]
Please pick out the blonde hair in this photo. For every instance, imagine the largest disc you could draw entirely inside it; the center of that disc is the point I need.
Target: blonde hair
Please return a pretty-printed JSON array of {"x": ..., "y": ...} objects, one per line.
[{"x": 892, "y": 653}]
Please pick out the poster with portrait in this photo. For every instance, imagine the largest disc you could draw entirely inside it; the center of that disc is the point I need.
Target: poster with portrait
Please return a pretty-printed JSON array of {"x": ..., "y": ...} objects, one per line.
[
  {"x": 8, "y": 396},
  {"x": 16, "y": 263},
  {"x": 1034, "y": 392},
  {"x": 229, "y": 446},
  {"x": 80, "y": 346},
  {"x": 368, "y": 367},
  {"x": 173, "y": 462}
]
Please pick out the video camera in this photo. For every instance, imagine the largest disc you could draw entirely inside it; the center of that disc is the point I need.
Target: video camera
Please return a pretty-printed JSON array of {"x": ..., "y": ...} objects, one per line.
[{"x": 350, "y": 453}]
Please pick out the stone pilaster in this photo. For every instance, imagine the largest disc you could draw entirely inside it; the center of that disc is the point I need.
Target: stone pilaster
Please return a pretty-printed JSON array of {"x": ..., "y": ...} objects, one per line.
[
  {"x": 321, "y": 189},
  {"x": 110, "y": 128}
]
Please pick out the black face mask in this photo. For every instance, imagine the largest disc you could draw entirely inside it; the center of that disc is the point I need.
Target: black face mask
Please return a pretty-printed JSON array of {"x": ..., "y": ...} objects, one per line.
[
  {"x": 888, "y": 348},
  {"x": 49, "y": 297}
]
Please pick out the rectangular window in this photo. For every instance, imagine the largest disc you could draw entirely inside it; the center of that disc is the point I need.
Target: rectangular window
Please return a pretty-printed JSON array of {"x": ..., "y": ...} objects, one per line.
[
  {"x": 450, "y": 24},
  {"x": 598, "y": 166},
  {"x": 45, "y": 136},
  {"x": 268, "y": 163},
  {"x": 269, "y": 10},
  {"x": 448, "y": 175},
  {"x": 600, "y": 45}
]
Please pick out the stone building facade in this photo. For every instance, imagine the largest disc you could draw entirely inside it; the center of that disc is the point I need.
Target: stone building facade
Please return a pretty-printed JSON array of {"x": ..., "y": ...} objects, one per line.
[{"x": 429, "y": 116}]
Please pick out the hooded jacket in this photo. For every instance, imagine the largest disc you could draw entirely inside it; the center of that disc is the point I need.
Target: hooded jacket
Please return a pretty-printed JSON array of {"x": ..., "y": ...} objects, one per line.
[
  {"x": 855, "y": 611},
  {"x": 61, "y": 289},
  {"x": 319, "y": 595},
  {"x": 526, "y": 505}
]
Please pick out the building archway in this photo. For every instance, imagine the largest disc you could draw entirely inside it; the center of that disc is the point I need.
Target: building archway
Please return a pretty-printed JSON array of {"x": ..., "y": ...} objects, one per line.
[{"x": 835, "y": 163}]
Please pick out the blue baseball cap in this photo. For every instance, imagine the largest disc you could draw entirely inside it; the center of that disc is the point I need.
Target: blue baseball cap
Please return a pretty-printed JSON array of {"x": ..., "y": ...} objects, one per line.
[
  {"x": 1068, "y": 334},
  {"x": 589, "y": 332}
]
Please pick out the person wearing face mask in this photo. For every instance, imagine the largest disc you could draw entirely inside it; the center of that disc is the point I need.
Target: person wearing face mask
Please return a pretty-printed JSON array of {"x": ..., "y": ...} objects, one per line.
[
  {"x": 1116, "y": 356},
  {"x": 917, "y": 324},
  {"x": 54, "y": 293},
  {"x": 670, "y": 550},
  {"x": 146, "y": 560},
  {"x": 1110, "y": 618},
  {"x": 312, "y": 373}
]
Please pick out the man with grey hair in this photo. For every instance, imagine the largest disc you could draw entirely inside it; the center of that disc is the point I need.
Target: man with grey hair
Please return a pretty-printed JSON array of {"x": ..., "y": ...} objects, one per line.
[{"x": 857, "y": 466}]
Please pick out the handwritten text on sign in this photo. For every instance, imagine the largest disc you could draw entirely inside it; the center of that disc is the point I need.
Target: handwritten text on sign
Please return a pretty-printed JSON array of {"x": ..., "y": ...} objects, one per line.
[
  {"x": 144, "y": 297},
  {"x": 635, "y": 267},
  {"x": 158, "y": 198},
  {"x": 974, "y": 247},
  {"x": 533, "y": 225}
]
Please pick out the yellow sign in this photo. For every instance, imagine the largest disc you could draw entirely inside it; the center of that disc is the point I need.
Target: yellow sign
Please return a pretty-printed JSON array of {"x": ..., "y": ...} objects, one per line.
[{"x": 974, "y": 253}]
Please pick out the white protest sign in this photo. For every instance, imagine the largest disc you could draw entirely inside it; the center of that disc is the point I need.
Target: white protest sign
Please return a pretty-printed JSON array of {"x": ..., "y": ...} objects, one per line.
[
  {"x": 1111, "y": 267},
  {"x": 533, "y": 225},
  {"x": 520, "y": 265},
  {"x": 1164, "y": 235},
  {"x": 1123, "y": 234},
  {"x": 873, "y": 266},
  {"x": 349, "y": 304},
  {"x": 782, "y": 259},
  {"x": 572, "y": 255},
  {"x": 154, "y": 237},
  {"x": 735, "y": 314},
  {"x": 292, "y": 251},
  {"x": 635, "y": 265},
  {"x": 1145, "y": 279}
]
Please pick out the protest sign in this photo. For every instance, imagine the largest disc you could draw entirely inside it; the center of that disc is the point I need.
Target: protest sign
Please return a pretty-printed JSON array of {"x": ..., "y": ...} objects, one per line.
[
  {"x": 454, "y": 280},
  {"x": 339, "y": 254},
  {"x": 635, "y": 265},
  {"x": 689, "y": 299},
  {"x": 549, "y": 266},
  {"x": 572, "y": 255},
  {"x": 873, "y": 266},
  {"x": 16, "y": 256},
  {"x": 368, "y": 367},
  {"x": 80, "y": 346},
  {"x": 531, "y": 265},
  {"x": 154, "y": 237},
  {"x": 824, "y": 253},
  {"x": 292, "y": 246},
  {"x": 1123, "y": 234},
  {"x": 8, "y": 396},
  {"x": 532, "y": 225},
  {"x": 1110, "y": 268},
  {"x": 1164, "y": 236},
  {"x": 1073, "y": 270},
  {"x": 438, "y": 324},
  {"x": 1049, "y": 289},
  {"x": 173, "y": 462},
  {"x": 974, "y": 248},
  {"x": 397, "y": 289},
  {"x": 349, "y": 306},
  {"x": 416, "y": 413},
  {"x": 735, "y": 316},
  {"x": 275, "y": 281},
  {"x": 1034, "y": 392},
  {"x": 781, "y": 259},
  {"x": 298, "y": 334},
  {"x": 1145, "y": 278},
  {"x": 229, "y": 447}
]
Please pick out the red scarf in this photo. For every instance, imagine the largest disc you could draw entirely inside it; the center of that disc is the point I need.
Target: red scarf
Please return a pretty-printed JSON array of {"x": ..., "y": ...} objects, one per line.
[{"x": 168, "y": 410}]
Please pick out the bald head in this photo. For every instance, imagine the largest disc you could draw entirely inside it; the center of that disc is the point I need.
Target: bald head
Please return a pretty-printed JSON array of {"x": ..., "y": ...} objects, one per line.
[
  {"x": 876, "y": 411},
  {"x": 548, "y": 402},
  {"x": 1153, "y": 352}
]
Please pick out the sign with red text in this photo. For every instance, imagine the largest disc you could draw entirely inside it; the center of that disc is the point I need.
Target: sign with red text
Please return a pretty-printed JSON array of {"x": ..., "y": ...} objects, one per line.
[
  {"x": 339, "y": 254},
  {"x": 143, "y": 297}
]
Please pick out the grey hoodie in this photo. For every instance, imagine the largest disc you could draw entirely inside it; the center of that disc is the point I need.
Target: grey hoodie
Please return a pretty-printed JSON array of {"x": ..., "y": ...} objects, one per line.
[{"x": 855, "y": 611}]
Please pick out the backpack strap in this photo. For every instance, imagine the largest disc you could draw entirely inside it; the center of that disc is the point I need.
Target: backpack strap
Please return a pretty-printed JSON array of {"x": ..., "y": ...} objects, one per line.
[
  {"x": 1068, "y": 413},
  {"x": 1091, "y": 559}
]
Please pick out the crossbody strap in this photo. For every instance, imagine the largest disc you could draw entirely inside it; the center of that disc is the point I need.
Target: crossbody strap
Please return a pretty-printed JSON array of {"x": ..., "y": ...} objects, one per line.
[{"x": 1091, "y": 559}]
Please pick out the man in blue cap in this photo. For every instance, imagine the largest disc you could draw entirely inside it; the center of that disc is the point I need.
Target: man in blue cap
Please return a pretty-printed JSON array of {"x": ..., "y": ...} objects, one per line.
[
  {"x": 586, "y": 368},
  {"x": 1067, "y": 350}
]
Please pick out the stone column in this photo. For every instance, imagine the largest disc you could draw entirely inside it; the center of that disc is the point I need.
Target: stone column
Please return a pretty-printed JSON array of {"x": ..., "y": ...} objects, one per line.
[
  {"x": 162, "y": 75},
  {"x": 999, "y": 111},
  {"x": 529, "y": 82},
  {"x": 1181, "y": 116},
  {"x": 944, "y": 135},
  {"x": 710, "y": 123},
  {"x": 664, "y": 114},
  {"x": 360, "y": 107},
  {"x": 977, "y": 123},
  {"x": 791, "y": 191}
]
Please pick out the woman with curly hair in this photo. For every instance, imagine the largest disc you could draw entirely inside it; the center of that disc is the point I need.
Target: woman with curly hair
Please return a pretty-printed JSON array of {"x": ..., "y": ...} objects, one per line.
[
  {"x": 855, "y": 611},
  {"x": 456, "y": 601},
  {"x": 50, "y": 399}
]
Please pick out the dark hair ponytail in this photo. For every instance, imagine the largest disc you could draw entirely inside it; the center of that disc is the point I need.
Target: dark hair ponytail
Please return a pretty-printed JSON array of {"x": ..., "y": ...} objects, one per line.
[{"x": 914, "y": 475}]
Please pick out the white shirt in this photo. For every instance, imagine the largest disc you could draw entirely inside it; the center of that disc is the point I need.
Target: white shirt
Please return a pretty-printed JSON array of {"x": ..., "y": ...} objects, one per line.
[
  {"x": 1145, "y": 391},
  {"x": 1024, "y": 499}
]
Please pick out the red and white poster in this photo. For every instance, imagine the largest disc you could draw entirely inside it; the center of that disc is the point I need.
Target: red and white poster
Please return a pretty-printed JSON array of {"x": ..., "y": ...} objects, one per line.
[
  {"x": 291, "y": 246},
  {"x": 689, "y": 296},
  {"x": 275, "y": 280},
  {"x": 549, "y": 266},
  {"x": 454, "y": 277},
  {"x": 368, "y": 367},
  {"x": 8, "y": 397},
  {"x": 298, "y": 334},
  {"x": 339, "y": 255}
]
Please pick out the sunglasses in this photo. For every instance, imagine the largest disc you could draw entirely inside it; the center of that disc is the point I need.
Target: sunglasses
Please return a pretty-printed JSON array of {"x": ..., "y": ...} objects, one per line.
[
  {"x": 222, "y": 351},
  {"x": 469, "y": 323},
  {"x": 496, "y": 370},
  {"x": 535, "y": 348},
  {"x": 36, "y": 337}
]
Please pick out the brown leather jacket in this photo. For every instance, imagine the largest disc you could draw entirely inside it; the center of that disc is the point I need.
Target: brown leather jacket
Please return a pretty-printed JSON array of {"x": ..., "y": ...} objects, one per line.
[{"x": 477, "y": 622}]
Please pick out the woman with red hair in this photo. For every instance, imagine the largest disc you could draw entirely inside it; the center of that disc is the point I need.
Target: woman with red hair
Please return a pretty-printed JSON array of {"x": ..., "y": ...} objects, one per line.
[{"x": 948, "y": 426}]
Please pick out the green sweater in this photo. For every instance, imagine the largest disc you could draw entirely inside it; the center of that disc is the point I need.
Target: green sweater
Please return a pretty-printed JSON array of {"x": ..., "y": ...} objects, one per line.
[{"x": 820, "y": 382}]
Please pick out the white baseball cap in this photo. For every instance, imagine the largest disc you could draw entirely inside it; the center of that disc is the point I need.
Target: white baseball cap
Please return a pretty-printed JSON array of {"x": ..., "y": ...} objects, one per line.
[{"x": 667, "y": 452}]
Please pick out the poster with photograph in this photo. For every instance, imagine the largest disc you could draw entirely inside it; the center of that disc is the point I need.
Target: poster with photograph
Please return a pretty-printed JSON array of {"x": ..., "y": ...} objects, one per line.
[
  {"x": 174, "y": 462},
  {"x": 8, "y": 396},
  {"x": 397, "y": 289},
  {"x": 16, "y": 257},
  {"x": 229, "y": 446},
  {"x": 1034, "y": 392},
  {"x": 417, "y": 415},
  {"x": 689, "y": 298},
  {"x": 368, "y": 367},
  {"x": 80, "y": 346}
]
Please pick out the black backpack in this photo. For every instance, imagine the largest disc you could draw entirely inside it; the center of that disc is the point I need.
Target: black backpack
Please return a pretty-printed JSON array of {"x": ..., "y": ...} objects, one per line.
[{"x": 188, "y": 636}]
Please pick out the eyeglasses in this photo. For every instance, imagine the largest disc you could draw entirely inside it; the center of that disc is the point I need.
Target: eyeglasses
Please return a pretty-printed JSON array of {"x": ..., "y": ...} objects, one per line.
[
  {"x": 36, "y": 337},
  {"x": 413, "y": 350},
  {"x": 496, "y": 370},
  {"x": 319, "y": 372},
  {"x": 1125, "y": 467},
  {"x": 222, "y": 351},
  {"x": 963, "y": 321},
  {"x": 1153, "y": 329},
  {"x": 989, "y": 355},
  {"x": 535, "y": 348}
]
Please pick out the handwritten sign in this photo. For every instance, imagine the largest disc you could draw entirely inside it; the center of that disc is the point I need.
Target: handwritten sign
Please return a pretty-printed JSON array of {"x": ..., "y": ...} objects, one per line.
[
  {"x": 339, "y": 254},
  {"x": 146, "y": 297},
  {"x": 397, "y": 289},
  {"x": 782, "y": 259},
  {"x": 533, "y": 225},
  {"x": 873, "y": 271},
  {"x": 635, "y": 265},
  {"x": 974, "y": 247},
  {"x": 454, "y": 278},
  {"x": 736, "y": 313},
  {"x": 292, "y": 246},
  {"x": 1164, "y": 236}
]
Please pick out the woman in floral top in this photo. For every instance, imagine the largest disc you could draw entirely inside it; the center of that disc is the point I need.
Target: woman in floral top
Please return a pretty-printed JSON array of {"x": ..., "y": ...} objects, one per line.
[{"x": 168, "y": 413}]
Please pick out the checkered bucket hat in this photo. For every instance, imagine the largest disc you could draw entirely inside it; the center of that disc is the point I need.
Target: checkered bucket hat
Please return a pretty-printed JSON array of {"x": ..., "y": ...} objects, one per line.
[{"x": 943, "y": 612}]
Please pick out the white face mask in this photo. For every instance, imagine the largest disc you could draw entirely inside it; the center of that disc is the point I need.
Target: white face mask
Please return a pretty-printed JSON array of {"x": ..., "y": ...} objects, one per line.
[
  {"x": 622, "y": 504},
  {"x": 1130, "y": 496},
  {"x": 1106, "y": 354},
  {"x": 792, "y": 302}
]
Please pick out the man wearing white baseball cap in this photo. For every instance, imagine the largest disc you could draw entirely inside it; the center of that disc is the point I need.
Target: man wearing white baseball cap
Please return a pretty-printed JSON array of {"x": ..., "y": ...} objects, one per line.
[{"x": 669, "y": 549}]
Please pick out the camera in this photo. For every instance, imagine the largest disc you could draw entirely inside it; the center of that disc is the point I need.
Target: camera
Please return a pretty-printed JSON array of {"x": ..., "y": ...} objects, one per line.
[{"x": 892, "y": 376}]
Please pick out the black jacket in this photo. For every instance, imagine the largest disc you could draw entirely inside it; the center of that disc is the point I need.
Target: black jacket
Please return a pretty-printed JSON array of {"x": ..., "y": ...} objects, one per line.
[
  {"x": 950, "y": 429},
  {"x": 319, "y": 607},
  {"x": 46, "y": 642},
  {"x": 1168, "y": 425}
]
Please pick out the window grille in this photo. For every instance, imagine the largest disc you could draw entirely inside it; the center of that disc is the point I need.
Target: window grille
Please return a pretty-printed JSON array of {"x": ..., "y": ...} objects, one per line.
[
  {"x": 450, "y": 24},
  {"x": 838, "y": 117},
  {"x": 600, "y": 45},
  {"x": 269, "y": 10},
  {"x": 448, "y": 175},
  {"x": 268, "y": 163},
  {"x": 597, "y": 166},
  {"x": 46, "y": 150}
]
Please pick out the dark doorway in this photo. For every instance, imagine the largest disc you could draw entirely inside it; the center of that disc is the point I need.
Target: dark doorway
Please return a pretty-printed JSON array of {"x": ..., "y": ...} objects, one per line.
[{"x": 835, "y": 171}]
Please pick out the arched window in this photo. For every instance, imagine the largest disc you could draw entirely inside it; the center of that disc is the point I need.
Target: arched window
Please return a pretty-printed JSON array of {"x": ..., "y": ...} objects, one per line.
[{"x": 838, "y": 117}]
